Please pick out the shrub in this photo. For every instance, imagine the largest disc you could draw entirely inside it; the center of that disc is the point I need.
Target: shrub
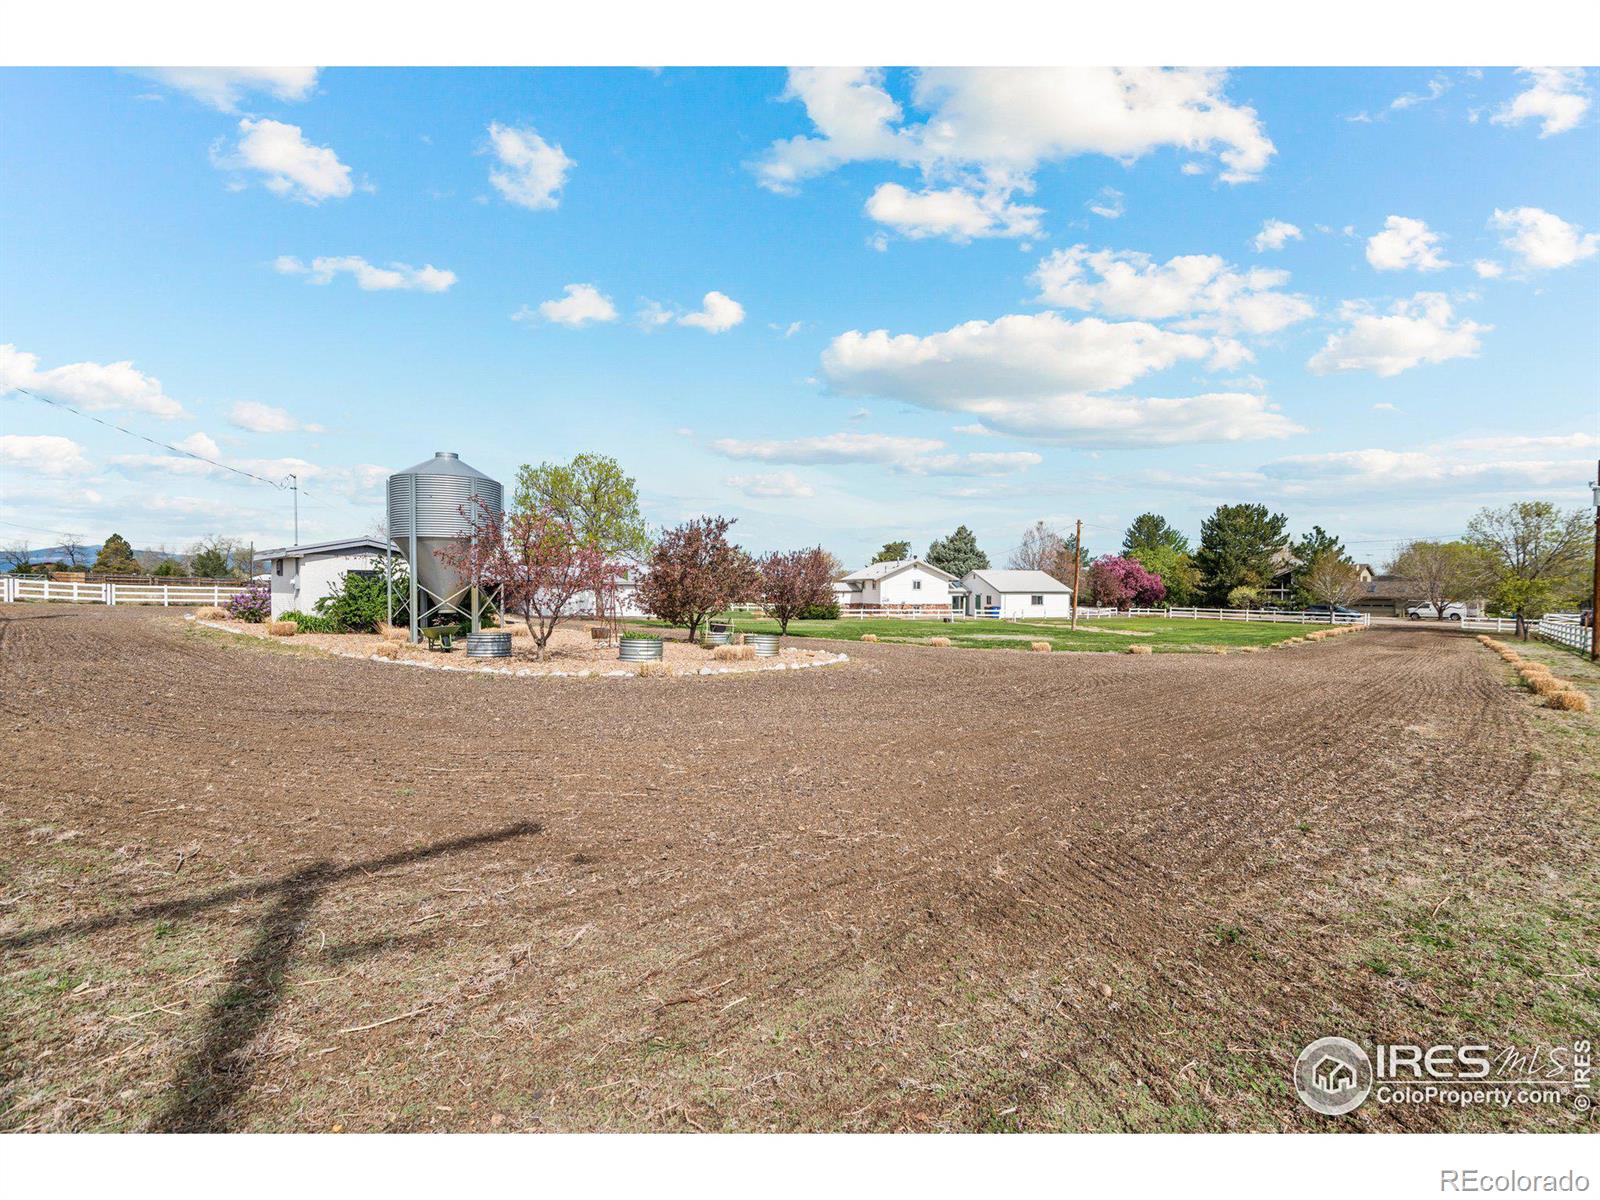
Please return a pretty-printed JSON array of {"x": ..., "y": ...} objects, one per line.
[
  {"x": 1140, "y": 650},
  {"x": 360, "y": 604},
  {"x": 253, "y": 603},
  {"x": 1039, "y": 647},
  {"x": 310, "y": 623},
  {"x": 211, "y": 612},
  {"x": 282, "y": 628},
  {"x": 733, "y": 653},
  {"x": 1570, "y": 701},
  {"x": 869, "y": 637},
  {"x": 939, "y": 641},
  {"x": 828, "y": 610}
]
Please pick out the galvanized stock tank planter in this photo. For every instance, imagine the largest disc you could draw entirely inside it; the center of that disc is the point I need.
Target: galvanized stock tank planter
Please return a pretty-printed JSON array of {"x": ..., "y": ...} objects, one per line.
[
  {"x": 639, "y": 649},
  {"x": 766, "y": 644},
  {"x": 718, "y": 637},
  {"x": 489, "y": 645}
]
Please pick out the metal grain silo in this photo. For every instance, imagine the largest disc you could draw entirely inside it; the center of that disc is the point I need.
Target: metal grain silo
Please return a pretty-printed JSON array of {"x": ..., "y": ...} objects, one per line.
[{"x": 431, "y": 504}]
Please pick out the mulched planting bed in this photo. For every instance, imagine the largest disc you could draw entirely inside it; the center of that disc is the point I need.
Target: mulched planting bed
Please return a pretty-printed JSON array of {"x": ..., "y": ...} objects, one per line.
[{"x": 248, "y": 886}]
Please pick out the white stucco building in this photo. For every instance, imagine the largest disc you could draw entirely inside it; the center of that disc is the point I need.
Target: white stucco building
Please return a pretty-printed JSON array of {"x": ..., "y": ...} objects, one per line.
[
  {"x": 908, "y": 583},
  {"x": 301, "y": 575},
  {"x": 1016, "y": 594}
]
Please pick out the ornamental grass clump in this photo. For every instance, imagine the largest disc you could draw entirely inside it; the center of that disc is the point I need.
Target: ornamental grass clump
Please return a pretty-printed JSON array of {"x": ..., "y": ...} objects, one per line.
[
  {"x": 1039, "y": 647},
  {"x": 1546, "y": 685},
  {"x": 390, "y": 650},
  {"x": 282, "y": 628},
  {"x": 654, "y": 670},
  {"x": 252, "y": 603},
  {"x": 939, "y": 641},
  {"x": 869, "y": 637},
  {"x": 1141, "y": 650},
  {"x": 211, "y": 613}
]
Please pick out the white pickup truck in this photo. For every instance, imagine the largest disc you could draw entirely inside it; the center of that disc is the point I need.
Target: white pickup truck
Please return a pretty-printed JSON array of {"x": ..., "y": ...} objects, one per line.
[{"x": 1453, "y": 611}]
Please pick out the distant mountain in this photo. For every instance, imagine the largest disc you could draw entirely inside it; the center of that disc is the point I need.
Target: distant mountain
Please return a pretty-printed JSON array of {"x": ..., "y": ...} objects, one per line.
[{"x": 87, "y": 554}]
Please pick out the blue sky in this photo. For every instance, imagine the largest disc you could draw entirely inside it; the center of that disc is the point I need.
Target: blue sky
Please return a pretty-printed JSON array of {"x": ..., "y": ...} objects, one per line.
[{"x": 841, "y": 306}]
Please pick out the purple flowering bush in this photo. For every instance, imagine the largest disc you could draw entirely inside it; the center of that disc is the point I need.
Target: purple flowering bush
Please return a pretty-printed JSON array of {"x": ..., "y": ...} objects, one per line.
[{"x": 253, "y": 604}]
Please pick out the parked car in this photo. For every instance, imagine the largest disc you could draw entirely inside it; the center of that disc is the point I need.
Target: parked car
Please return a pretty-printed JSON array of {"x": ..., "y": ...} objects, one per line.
[
  {"x": 1333, "y": 610},
  {"x": 1453, "y": 611}
]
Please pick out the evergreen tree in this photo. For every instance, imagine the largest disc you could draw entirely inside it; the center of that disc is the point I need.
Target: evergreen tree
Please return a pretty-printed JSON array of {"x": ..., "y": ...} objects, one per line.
[
  {"x": 893, "y": 552},
  {"x": 1317, "y": 543},
  {"x": 116, "y": 558},
  {"x": 1150, "y": 531},
  {"x": 958, "y": 553},
  {"x": 1237, "y": 544}
]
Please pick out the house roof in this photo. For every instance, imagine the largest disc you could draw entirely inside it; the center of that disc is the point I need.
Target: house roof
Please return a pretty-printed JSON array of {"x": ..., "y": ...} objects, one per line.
[
  {"x": 1020, "y": 581},
  {"x": 882, "y": 570},
  {"x": 357, "y": 544}
]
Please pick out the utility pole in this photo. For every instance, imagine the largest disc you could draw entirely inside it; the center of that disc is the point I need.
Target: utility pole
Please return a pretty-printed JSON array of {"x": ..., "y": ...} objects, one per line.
[
  {"x": 1077, "y": 563},
  {"x": 1594, "y": 600},
  {"x": 294, "y": 486}
]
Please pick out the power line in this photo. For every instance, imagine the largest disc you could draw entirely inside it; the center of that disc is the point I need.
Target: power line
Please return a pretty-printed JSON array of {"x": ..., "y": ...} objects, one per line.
[{"x": 272, "y": 483}]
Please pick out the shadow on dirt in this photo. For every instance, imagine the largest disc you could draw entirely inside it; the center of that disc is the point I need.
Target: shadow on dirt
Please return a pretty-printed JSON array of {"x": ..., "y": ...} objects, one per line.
[{"x": 210, "y": 1082}]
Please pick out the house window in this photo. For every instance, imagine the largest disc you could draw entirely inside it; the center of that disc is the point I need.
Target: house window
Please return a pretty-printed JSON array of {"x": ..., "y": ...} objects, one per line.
[
  {"x": 1036, "y": 601},
  {"x": 916, "y": 585}
]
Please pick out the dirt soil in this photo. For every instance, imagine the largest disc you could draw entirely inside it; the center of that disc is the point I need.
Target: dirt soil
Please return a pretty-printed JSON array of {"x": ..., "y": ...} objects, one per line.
[
  {"x": 570, "y": 651},
  {"x": 249, "y": 887}
]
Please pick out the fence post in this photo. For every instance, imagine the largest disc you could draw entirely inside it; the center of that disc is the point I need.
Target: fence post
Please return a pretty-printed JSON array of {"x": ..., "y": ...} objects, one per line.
[
  {"x": 110, "y": 594},
  {"x": 216, "y": 593}
]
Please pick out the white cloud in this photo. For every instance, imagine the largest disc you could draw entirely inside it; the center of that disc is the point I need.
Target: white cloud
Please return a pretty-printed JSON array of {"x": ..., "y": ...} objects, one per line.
[
  {"x": 718, "y": 314},
  {"x": 989, "y": 129},
  {"x": 95, "y": 387},
  {"x": 200, "y": 443},
  {"x": 1437, "y": 86},
  {"x": 774, "y": 485},
  {"x": 290, "y": 165},
  {"x": 224, "y": 87},
  {"x": 369, "y": 278},
  {"x": 264, "y": 418},
  {"x": 1542, "y": 241},
  {"x": 1109, "y": 204},
  {"x": 908, "y": 455},
  {"x": 1405, "y": 242},
  {"x": 1275, "y": 234},
  {"x": 1203, "y": 289},
  {"x": 1557, "y": 97},
  {"x": 582, "y": 305},
  {"x": 954, "y": 213},
  {"x": 1488, "y": 269},
  {"x": 1432, "y": 470},
  {"x": 43, "y": 455},
  {"x": 532, "y": 171},
  {"x": 1004, "y": 122},
  {"x": 1421, "y": 330},
  {"x": 1032, "y": 376}
]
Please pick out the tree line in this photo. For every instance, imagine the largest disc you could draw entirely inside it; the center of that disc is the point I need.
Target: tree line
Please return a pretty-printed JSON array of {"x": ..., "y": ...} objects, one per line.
[{"x": 214, "y": 557}]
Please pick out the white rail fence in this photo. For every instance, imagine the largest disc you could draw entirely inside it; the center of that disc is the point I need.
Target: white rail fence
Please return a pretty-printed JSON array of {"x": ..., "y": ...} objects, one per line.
[
  {"x": 1565, "y": 630},
  {"x": 25, "y": 587},
  {"x": 1250, "y": 615}
]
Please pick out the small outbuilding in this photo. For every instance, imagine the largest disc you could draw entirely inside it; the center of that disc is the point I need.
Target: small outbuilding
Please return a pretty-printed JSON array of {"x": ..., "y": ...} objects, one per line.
[
  {"x": 1014, "y": 594},
  {"x": 301, "y": 575}
]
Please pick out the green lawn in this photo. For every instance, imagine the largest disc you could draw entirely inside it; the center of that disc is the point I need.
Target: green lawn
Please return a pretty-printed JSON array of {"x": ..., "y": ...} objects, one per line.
[{"x": 1159, "y": 633}]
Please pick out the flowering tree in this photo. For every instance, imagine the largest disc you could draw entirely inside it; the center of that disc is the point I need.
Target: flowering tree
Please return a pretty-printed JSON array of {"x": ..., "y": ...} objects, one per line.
[
  {"x": 694, "y": 571},
  {"x": 1119, "y": 582},
  {"x": 795, "y": 581},
  {"x": 534, "y": 561}
]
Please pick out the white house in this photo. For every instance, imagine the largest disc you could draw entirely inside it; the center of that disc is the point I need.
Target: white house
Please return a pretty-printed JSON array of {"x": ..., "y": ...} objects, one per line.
[
  {"x": 301, "y": 575},
  {"x": 907, "y": 583},
  {"x": 1016, "y": 594}
]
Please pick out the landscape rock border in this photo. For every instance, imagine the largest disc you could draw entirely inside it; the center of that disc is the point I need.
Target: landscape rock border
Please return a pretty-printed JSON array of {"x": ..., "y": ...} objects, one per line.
[{"x": 534, "y": 673}]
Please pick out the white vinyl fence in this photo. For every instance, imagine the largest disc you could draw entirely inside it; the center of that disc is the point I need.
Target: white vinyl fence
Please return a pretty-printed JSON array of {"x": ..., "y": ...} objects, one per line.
[
  {"x": 1565, "y": 630},
  {"x": 1251, "y": 615},
  {"x": 33, "y": 587}
]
